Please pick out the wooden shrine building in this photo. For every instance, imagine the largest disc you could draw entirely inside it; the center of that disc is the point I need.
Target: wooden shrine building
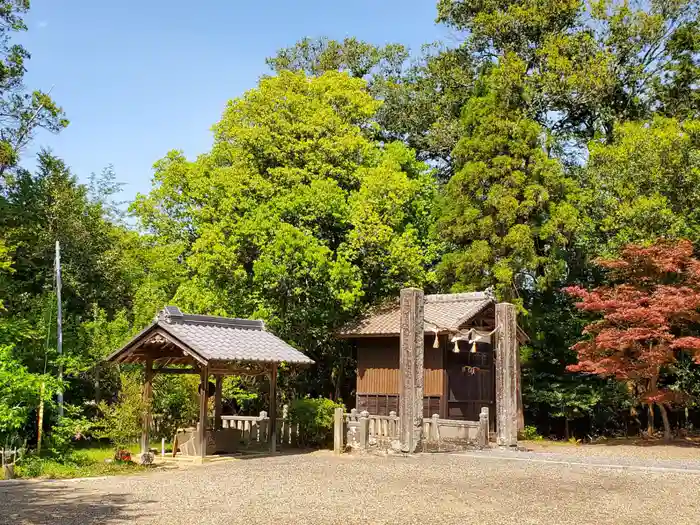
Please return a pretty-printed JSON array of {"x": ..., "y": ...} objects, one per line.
[
  {"x": 459, "y": 371},
  {"x": 177, "y": 343}
]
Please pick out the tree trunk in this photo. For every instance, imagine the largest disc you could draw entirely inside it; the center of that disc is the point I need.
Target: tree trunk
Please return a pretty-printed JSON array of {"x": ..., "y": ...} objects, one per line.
[
  {"x": 650, "y": 421},
  {"x": 667, "y": 425},
  {"x": 98, "y": 387},
  {"x": 566, "y": 428}
]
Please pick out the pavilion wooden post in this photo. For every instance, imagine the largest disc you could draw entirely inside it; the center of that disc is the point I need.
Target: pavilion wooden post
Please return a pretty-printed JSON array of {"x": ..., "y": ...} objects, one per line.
[
  {"x": 411, "y": 369},
  {"x": 217, "y": 402},
  {"x": 506, "y": 375},
  {"x": 146, "y": 396},
  {"x": 203, "y": 400},
  {"x": 273, "y": 408}
]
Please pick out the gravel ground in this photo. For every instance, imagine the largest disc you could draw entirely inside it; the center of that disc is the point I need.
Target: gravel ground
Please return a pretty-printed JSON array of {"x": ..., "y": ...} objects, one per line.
[
  {"x": 622, "y": 448},
  {"x": 320, "y": 488}
]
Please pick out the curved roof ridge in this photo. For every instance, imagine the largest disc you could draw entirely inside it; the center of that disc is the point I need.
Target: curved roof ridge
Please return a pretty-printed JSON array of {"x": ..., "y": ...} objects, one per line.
[{"x": 453, "y": 297}]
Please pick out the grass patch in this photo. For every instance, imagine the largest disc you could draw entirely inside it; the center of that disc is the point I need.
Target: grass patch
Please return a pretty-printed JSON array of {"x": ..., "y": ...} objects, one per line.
[{"x": 95, "y": 460}]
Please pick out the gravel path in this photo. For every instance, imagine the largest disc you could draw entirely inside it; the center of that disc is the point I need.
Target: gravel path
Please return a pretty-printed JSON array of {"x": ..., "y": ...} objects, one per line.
[{"x": 320, "y": 488}]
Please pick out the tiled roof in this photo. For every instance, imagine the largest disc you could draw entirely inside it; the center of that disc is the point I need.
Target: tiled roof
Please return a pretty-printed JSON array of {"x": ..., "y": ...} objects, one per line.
[
  {"x": 223, "y": 338},
  {"x": 443, "y": 313}
]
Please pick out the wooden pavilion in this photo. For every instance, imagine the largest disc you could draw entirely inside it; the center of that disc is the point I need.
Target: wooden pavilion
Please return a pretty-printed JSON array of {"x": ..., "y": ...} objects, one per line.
[{"x": 178, "y": 343}]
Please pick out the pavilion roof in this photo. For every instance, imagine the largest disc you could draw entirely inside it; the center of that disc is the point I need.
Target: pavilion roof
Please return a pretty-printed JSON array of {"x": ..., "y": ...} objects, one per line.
[{"x": 208, "y": 338}]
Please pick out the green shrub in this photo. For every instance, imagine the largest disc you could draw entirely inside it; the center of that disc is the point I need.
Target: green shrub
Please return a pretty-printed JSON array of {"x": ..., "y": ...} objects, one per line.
[
  {"x": 529, "y": 433},
  {"x": 69, "y": 429},
  {"x": 121, "y": 421},
  {"x": 315, "y": 420}
]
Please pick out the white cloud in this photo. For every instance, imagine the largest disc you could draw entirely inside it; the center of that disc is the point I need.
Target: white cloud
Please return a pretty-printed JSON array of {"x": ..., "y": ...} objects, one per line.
[{"x": 43, "y": 24}]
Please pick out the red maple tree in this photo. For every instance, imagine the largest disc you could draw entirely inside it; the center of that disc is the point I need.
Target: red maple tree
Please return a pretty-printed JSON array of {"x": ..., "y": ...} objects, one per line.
[{"x": 647, "y": 317}]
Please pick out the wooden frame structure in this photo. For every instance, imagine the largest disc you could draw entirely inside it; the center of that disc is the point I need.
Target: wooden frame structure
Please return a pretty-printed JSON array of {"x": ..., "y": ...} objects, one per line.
[{"x": 178, "y": 343}]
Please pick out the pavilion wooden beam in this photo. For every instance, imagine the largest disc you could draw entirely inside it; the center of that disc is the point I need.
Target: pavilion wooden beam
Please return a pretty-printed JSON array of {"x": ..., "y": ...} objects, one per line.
[
  {"x": 146, "y": 418},
  {"x": 273, "y": 408},
  {"x": 176, "y": 371},
  {"x": 203, "y": 399},
  {"x": 217, "y": 402}
]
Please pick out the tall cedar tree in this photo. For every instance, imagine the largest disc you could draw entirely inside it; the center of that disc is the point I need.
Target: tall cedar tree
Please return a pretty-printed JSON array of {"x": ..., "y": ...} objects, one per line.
[{"x": 647, "y": 315}]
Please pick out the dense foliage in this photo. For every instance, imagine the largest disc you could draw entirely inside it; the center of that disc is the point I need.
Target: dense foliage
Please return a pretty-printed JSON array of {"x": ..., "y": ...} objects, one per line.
[
  {"x": 554, "y": 133},
  {"x": 315, "y": 419}
]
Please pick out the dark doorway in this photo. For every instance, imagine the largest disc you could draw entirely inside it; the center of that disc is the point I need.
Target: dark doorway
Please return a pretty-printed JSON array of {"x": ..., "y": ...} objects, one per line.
[{"x": 471, "y": 382}]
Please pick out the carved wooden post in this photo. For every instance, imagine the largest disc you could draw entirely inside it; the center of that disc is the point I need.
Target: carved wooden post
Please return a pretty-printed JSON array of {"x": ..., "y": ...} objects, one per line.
[
  {"x": 338, "y": 430},
  {"x": 203, "y": 400},
  {"x": 506, "y": 375},
  {"x": 411, "y": 369},
  {"x": 146, "y": 418}
]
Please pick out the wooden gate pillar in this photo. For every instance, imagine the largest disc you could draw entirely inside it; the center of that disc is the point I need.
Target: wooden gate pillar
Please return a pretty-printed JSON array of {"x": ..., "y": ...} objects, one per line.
[
  {"x": 411, "y": 369},
  {"x": 203, "y": 405},
  {"x": 217, "y": 402},
  {"x": 147, "y": 395},
  {"x": 506, "y": 375}
]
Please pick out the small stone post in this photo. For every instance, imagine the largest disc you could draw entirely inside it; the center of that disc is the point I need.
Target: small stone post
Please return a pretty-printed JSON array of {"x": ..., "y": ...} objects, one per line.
[
  {"x": 411, "y": 369},
  {"x": 506, "y": 376},
  {"x": 364, "y": 430},
  {"x": 484, "y": 427},
  {"x": 434, "y": 432},
  {"x": 338, "y": 430},
  {"x": 263, "y": 424}
]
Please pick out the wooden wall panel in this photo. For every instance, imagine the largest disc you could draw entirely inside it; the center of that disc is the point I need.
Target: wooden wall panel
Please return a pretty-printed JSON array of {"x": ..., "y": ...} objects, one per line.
[
  {"x": 378, "y": 366},
  {"x": 432, "y": 365}
]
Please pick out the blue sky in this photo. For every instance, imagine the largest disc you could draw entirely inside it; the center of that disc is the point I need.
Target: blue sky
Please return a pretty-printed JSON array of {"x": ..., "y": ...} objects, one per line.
[{"x": 138, "y": 79}]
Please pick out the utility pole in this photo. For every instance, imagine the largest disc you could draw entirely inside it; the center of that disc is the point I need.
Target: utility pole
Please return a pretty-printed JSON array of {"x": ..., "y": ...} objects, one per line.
[{"x": 59, "y": 329}]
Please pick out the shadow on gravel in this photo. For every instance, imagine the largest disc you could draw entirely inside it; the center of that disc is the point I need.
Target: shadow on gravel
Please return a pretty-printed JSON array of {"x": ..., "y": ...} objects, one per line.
[{"x": 58, "y": 504}]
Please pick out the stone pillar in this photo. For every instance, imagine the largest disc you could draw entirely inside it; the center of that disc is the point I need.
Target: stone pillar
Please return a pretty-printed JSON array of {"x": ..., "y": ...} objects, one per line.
[
  {"x": 338, "y": 425},
  {"x": 506, "y": 375},
  {"x": 411, "y": 369}
]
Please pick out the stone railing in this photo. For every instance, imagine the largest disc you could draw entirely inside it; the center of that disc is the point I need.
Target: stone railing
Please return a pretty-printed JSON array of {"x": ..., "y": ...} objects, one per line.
[
  {"x": 363, "y": 431},
  {"x": 255, "y": 429},
  {"x": 452, "y": 434}
]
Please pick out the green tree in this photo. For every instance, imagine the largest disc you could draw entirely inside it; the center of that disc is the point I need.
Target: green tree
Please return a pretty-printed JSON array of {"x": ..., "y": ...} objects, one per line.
[
  {"x": 22, "y": 112},
  {"x": 297, "y": 215},
  {"x": 421, "y": 96},
  {"x": 643, "y": 185},
  {"x": 586, "y": 64},
  {"x": 507, "y": 213}
]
